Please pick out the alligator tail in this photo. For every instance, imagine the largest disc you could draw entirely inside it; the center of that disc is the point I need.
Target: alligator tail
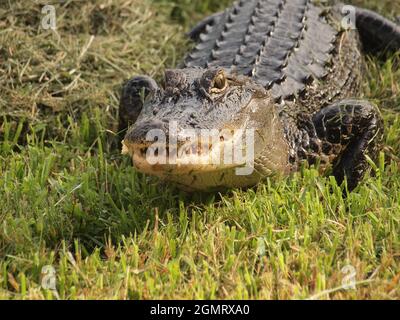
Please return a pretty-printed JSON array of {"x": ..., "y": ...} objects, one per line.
[{"x": 377, "y": 32}]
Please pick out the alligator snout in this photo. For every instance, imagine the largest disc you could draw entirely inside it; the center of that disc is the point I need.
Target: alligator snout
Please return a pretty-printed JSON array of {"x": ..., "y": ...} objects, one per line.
[
  {"x": 146, "y": 131},
  {"x": 147, "y": 134}
]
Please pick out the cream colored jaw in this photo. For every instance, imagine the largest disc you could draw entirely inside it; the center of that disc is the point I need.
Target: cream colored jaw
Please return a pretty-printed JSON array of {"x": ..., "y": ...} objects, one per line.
[{"x": 194, "y": 161}]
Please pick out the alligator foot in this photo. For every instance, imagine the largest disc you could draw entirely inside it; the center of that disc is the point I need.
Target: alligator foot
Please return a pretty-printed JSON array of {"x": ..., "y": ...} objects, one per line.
[
  {"x": 355, "y": 128},
  {"x": 133, "y": 95}
]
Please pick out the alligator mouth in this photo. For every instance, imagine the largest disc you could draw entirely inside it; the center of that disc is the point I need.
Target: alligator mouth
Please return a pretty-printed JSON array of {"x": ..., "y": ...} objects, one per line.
[{"x": 190, "y": 158}]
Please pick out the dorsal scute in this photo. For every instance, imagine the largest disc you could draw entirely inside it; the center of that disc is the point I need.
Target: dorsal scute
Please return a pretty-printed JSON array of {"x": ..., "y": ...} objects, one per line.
[{"x": 282, "y": 44}]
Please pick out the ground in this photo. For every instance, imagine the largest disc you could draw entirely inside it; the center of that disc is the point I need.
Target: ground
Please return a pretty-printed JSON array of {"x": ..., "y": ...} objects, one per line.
[{"x": 73, "y": 207}]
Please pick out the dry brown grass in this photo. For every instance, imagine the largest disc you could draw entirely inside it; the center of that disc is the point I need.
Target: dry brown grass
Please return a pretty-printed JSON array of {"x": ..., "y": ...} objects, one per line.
[{"x": 82, "y": 64}]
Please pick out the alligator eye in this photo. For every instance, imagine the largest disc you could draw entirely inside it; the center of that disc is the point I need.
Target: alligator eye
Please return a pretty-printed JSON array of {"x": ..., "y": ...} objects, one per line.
[{"x": 219, "y": 83}]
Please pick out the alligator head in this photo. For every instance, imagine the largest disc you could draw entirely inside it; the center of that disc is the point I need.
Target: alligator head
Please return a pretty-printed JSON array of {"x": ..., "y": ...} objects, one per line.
[{"x": 207, "y": 129}]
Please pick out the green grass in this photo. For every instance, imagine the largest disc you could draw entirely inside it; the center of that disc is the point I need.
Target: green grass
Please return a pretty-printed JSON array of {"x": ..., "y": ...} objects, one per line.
[{"x": 70, "y": 200}]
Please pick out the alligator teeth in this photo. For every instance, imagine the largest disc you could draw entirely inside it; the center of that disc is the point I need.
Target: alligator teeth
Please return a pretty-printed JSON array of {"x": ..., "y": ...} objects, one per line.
[{"x": 125, "y": 149}]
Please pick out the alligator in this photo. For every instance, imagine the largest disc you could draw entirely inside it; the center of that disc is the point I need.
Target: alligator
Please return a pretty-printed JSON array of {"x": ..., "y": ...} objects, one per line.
[{"x": 290, "y": 70}]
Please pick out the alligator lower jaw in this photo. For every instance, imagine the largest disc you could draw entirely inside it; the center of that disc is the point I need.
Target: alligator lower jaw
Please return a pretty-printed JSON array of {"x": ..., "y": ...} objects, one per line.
[{"x": 165, "y": 170}]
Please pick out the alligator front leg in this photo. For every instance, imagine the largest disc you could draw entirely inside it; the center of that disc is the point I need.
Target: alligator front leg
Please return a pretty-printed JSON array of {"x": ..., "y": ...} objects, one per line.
[
  {"x": 133, "y": 95},
  {"x": 347, "y": 131}
]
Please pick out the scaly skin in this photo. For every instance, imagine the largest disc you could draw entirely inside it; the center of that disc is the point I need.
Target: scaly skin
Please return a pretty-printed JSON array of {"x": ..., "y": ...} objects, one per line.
[{"x": 284, "y": 68}]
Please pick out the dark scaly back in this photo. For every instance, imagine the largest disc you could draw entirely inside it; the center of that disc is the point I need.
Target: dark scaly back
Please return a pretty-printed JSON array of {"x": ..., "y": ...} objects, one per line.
[{"x": 286, "y": 45}]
